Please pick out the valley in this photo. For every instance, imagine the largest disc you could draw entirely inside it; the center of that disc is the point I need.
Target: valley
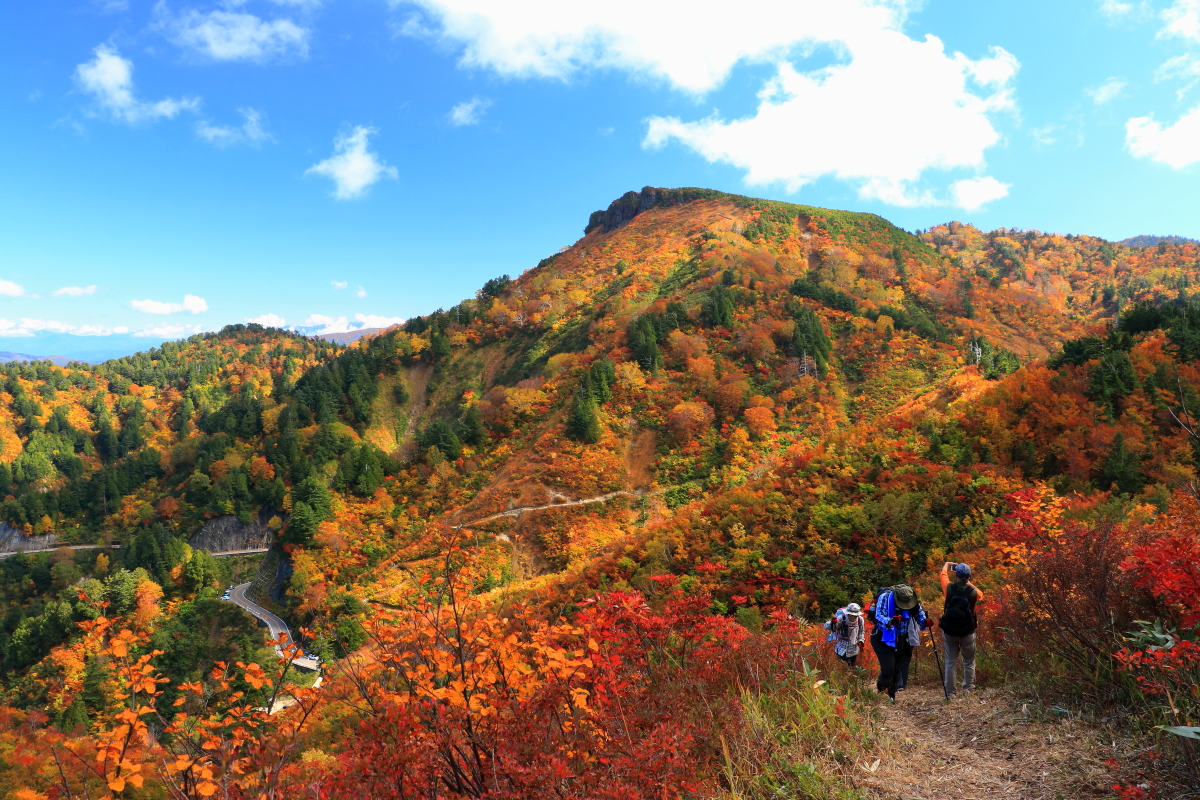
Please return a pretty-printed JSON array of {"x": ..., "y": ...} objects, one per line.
[{"x": 579, "y": 530}]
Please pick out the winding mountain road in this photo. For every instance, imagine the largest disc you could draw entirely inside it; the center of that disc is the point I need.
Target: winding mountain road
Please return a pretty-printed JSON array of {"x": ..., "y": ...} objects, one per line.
[
  {"x": 275, "y": 625},
  {"x": 117, "y": 547}
]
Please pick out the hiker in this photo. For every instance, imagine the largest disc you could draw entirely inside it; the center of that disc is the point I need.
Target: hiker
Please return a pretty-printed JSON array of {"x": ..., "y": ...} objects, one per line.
[
  {"x": 848, "y": 632},
  {"x": 898, "y": 619},
  {"x": 958, "y": 625}
]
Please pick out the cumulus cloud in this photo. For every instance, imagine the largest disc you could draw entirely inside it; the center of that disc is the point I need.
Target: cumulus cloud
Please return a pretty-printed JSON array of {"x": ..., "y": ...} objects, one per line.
[
  {"x": 319, "y": 324},
  {"x": 1176, "y": 145},
  {"x": 269, "y": 320},
  {"x": 974, "y": 193},
  {"x": 252, "y": 131},
  {"x": 531, "y": 38},
  {"x": 469, "y": 112},
  {"x": 238, "y": 36},
  {"x": 339, "y": 284},
  {"x": 376, "y": 321},
  {"x": 169, "y": 330},
  {"x": 74, "y": 291},
  {"x": 855, "y": 119},
  {"x": 10, "y": 289},
  {"x": 353, "y": 168},
  {"x": 1182, "y": 20},
  {"x": 1110, "y": 90},
  {"x": 361, "y": 292},
  {"x": 783, "y": 143},
  {"x": 191, "y": 304},
  {"x": 108, "y": 77}
]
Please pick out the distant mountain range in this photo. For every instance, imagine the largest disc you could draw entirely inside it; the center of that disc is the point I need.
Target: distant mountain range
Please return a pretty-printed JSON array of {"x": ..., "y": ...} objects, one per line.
[
  {"x": 346, "y": 337},
  {"x": 7, "y": 355},
  {"x": 1154, "y": 241}
]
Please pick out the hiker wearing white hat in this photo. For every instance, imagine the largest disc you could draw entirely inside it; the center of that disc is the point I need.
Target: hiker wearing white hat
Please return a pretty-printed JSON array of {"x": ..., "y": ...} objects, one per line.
[{"x": 848, "y": 632}]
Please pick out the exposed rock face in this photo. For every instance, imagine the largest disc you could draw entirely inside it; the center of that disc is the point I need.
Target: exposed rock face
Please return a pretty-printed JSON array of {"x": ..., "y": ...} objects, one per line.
[
  {"x": 630, "y": 204},
  {"x": 14, "y": 540},
  {"x": 222, "y": 534}
]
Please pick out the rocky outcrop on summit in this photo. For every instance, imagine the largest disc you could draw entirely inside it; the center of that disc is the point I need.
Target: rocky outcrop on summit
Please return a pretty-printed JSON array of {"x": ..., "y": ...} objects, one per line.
[
  {"x": 225, "y": 533},
  {"x": 630, "y": 204}
]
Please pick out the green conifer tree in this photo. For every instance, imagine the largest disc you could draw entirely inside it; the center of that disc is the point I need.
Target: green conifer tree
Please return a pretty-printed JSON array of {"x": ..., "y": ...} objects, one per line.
[{"x": 583, "y": 424}]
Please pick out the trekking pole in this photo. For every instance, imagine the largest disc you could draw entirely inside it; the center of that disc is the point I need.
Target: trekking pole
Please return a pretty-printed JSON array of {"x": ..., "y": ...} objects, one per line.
[{"x": 936, "y": 655}]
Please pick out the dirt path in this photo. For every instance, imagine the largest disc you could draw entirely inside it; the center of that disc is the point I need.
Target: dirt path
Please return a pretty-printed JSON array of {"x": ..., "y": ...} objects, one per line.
[
  {"x": 989, "y": 745},
  {"x": 560, "y": 501}
]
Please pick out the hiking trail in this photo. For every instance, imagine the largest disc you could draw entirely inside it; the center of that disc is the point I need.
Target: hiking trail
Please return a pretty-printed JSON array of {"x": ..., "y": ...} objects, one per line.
[{"x": 988, "y": 745}]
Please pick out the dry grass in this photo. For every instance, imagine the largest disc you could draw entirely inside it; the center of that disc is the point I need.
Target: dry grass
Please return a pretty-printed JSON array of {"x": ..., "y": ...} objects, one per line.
[{"x": 989, "y": 745}]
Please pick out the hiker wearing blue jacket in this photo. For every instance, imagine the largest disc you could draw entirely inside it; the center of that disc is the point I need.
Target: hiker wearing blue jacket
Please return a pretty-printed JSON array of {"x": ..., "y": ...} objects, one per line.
[{"x": 899, "y": 620}]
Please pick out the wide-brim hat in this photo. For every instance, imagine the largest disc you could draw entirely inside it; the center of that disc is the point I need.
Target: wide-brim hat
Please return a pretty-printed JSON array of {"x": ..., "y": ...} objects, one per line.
[
  {"x": 854, "y": 610},
  {"x": 906, "y": 598}
]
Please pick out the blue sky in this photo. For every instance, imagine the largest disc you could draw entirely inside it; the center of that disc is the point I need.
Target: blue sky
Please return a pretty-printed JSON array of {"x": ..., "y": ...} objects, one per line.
[{"x": 172, "y": 167}]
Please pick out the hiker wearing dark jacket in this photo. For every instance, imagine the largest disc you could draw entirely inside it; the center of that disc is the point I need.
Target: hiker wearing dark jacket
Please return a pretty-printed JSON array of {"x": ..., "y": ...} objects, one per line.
[
  {"x": 958, "y": 625},
  {"x": 898, "y": 619}
]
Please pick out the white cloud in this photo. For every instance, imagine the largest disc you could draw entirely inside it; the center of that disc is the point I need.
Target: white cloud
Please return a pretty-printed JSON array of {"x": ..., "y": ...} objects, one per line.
[
  {"x": 1115, "y": 9},
  {"x": 1184, "y": 66},
  {"x": 339, "y": 284},
  {"x": 31, "y": 327},
  {"x": 832, "y": 122},
  {"x": 1176, "y": 145},
  {"x": 269, "y": 320},
  {"x": 1111, "y": 89},
  {"x": 353, "y": 168},
  {"x": 321, "y": 324},
  {"x": 236, "y": 36},
  {"x": 155, "y": 307},
  {"x": 191, "y": 304},
  {"x": 691, "y": 51},
  {"x": 361, "y": 292},
  {"x": 251, "y": 132},
  {"x": 855, "y": 119},
  {"x": 74, "y": 291},
  {"x": 1046, "y": 135},
  {"x": 376, "y": 321},
  {"x": 469, "y": 112},
  {"x": 1182, "y": 20},
  {"x": 109, "y": 79},
  {"x": 169, "y": 330},
  {"x": 10, "y": 289},
  {"x": 973, "y": 193}
]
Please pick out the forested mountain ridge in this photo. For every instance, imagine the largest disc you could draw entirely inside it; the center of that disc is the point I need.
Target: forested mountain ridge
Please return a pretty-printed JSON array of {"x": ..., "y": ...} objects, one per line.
[{"x": 772, "y": 407}]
